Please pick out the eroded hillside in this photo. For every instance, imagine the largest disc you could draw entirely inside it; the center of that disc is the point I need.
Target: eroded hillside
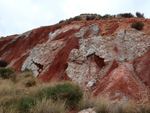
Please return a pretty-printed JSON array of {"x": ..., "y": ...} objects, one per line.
[{"x": 104, "y": 56}]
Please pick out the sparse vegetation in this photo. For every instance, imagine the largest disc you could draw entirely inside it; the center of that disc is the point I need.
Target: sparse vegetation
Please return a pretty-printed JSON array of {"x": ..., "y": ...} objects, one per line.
[
  {"x": 25, "y": 104},
  {"x": 61, "y": 21},
  {"x": 138, "y": 26},
  {"x": 68, "y": 92},
  {"x": 100, "y": 104},
  {"x": 139, "y": 15},
  {"x": 93, "y": 17},
  {"x": 6, "y": 72},
  {"x": 58, "y": 27},
  {"x": 69, "y": 21},
  {"x": 99, "y": 17},
  {"x": 48, "y": 106},
  {"x": 108, "y": 17},
  {"x": 86, "y": 102},
  {"x": 125, "y": 15},
  {"x": 56, "y": 98},
  {"x": 77, "y": 18}
]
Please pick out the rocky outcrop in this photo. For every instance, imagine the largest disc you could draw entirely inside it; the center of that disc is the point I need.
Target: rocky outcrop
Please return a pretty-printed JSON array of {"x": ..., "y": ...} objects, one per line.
[
  {"x": 105, "y": 57},
  {"x": 122, "y": 83}
]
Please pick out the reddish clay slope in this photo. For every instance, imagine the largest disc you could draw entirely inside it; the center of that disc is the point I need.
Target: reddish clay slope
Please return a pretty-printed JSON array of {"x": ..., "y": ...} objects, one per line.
[
  {"x": 142, "y": 68},
  {"x": 5, "y": 40},
  {"x": 59, "y": 65},
  {"x": 18, "y": 48},
  {"x": 122, "y": 83}
]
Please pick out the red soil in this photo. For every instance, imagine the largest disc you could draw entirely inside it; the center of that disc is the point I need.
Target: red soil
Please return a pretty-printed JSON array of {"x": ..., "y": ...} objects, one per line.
[
  {"x": 5, "y": 40},
  {"x": 142, "y": 68},
  {"x": 111, "y": 30},
  {"x": 58, "y": 66}
]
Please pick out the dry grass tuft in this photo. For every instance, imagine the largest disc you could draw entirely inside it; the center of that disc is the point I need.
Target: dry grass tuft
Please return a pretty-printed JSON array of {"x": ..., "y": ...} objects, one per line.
[
  {"x": 86, "y": 102},
  {"x": 48, "y": 106}
]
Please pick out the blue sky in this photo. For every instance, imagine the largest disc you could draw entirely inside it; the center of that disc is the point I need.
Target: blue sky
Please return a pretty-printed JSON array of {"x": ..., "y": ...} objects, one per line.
[{"x": 18, "y": 16}]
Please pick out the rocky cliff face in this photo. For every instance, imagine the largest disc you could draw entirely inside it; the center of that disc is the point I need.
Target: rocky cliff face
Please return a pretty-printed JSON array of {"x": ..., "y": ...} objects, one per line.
[{"x": 106, "y": 57}]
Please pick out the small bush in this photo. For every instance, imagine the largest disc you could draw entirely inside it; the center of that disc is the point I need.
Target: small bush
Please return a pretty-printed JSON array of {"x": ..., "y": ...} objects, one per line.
[
  {"x": 107, "y": 16},
  {"x": 3, "y": 63},
  {"x": 6, "y": 72},
  {"x": 69, "y": 21},
  {"x": 25, "y": 104},
  {"x": 102, "y": 105},
  {"x": 98, "y": 17},
  {"x": 29, "y": 82},
  {"x": 68, "y": 92},
  {"x": 48, "y": 106},
  {"x": 90, "y": 17},
  {"x": 62, "y": 21},
  {"x": 39, "y": 89},
  {"x": 138, "y": 26},
  {"x": 126, "y": 15},
  {"x": 21, "y": 77},
  {"x": 77, "y": 18},
  {"x": 14, "y": 78},
  {"x": 58, "y": 27},
  {"x": 139, "y": 15}
]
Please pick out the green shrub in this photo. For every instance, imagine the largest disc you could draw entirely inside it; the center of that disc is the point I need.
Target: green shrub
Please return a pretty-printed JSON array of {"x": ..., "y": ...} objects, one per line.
[
  {"x": 139, "y": 15},
  {"x": 58, "y": 27},
  {"x": 39, "y": 89},
  {"x": 77, "y": 18},
  {"x": 6, "y": 72},
  {"x": 25, "y": 104},
  {"x": 126, "y": 15},
  {"x": 62, "y": 21},
  {"x": 90, "y": 17},
  {"x": 68, "y": 92},
  {"x": 69, "y": 21},
  {"x": 137, "y": 25},
  {"x": 3, "y": 63},
  {"x": 106, "y": 16}
]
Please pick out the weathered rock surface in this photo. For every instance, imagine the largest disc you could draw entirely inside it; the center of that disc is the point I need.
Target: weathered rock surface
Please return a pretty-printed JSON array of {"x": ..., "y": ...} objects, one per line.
[{"x": 106, "y": 57}]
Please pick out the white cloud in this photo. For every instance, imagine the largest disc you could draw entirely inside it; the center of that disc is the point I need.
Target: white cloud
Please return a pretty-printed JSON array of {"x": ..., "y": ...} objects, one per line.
[{"x": 18, "y": 16}]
